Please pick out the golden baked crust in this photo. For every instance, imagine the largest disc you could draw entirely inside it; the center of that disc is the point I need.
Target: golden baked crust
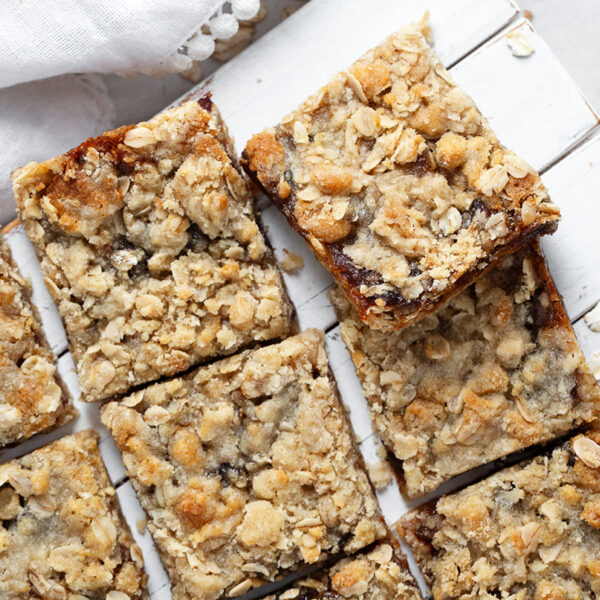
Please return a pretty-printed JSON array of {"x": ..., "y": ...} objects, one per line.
[
  {"x": 62, "y": 535},
  {"x": 150, "y": 247},
  {"x": 247, "y": 468},
  {"x": 530, "y": 532},
  {"x": 494, "y": 371},
  {"x": 32, "y": 396},
  {"x": 381, "y": 573},
  {"x": 398, "y": 184}
]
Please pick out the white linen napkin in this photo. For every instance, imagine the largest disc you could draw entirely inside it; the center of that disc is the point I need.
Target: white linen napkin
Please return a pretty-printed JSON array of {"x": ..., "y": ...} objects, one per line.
[
  {"x": 41, "y": 39},
  {"x": 46, "y": 108}
]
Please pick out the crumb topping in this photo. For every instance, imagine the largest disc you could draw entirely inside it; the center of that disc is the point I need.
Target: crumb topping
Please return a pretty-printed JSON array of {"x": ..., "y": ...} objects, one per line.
[
  {"x": 530, "y": 532},
  {"x": 246, "y": 468},
  {"x": 150, "y": 247},
  {"x": 378, "y": 574},
  {"x": 397, "y": 182},
  {"x": 494, "y": 371},
  {"x": 291, "y": 261},
  {"x": 32, "y": 396},
  {"x": 380, "y": 474},
  {"x": 61, "y": 532}
]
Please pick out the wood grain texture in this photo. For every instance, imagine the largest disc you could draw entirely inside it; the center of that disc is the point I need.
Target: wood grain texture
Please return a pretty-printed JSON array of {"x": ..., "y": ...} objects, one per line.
[{"x": 571, "y": 30}]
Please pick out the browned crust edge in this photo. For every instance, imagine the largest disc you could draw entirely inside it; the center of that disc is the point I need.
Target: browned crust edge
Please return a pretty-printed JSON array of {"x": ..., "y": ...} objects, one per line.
[{"x": 402, "y": 314}]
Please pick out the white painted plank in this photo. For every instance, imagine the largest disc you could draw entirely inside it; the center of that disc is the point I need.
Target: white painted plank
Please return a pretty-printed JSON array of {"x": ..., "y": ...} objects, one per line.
[
  {"x": 573, "y": 251},
  {"x": 590, "y": 344},
  {"x": 348, "y": 385},
  {"x": 532, "y": 103},
  {"x": 159, "y": 586},
  {"x": 336, "y": 349},
  {"x": 392, "y": 504},
  {"x": 293, "y": 60}
]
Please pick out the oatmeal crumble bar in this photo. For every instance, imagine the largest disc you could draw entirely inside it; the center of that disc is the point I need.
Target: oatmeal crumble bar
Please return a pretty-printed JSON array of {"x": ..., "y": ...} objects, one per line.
[
  {"x": 61, "y": 532},
  {"x": 398, "y": 184},
  {"x": 494, "y": 371},
  {"x": 150, "y": 247},
  {"x": 530, "y": 532},
  {"x": 247, "y": 468},
  {"x": 380, "y": 573},
  {"x": 32, "y": 396}
]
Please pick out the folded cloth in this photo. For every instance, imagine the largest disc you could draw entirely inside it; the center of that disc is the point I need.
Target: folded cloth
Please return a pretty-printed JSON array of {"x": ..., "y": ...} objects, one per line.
[{"x": 41, "y": 39}]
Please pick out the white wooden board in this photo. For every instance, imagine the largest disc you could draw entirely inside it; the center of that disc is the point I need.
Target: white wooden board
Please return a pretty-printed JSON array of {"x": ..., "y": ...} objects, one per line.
[
  {"x": 573, "y": 252},
  {"x": 531, "y": 103}
]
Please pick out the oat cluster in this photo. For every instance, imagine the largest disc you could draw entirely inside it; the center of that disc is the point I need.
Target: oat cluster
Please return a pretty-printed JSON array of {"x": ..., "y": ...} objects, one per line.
[
  {"x": 33, "y": 398},
  {"x": 150, "y": 247},
  {"x": 530, "y": 531},
  {"x": 377, "y": 574},
  {"x": 398, "y": 184},
  {"x": 247, "y": 468},
  {"x": 495, "y": 370}
]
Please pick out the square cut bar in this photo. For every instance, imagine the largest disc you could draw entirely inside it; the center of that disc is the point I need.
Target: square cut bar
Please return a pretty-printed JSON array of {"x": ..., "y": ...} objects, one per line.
[
  {"x": 61, "y": 532},
  {"x": 32, "y": 396},
  {"x": 150, "y": 247},
  {"x": 530, "y": 532},
  {"x": 398, "y": 184},
  {"x": 247, "y": 469},
  {"x": 380, "y": 573},
  {"x": 494, "y": 371}
]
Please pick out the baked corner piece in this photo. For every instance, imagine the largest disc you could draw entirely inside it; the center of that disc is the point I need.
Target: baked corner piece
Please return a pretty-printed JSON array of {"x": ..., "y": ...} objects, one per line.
[
  {"x": 381, "y": 573},
  {"x": 32, "y": 396},
  {"x": 149, "y": 245},
  {"x": 495, "y": 370},
  {"x": 247, "y": 469},
  {"x": 530, "y": 532},
  {"x": 398, "y": 184},
  {"x": 61, "y": 532}
]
